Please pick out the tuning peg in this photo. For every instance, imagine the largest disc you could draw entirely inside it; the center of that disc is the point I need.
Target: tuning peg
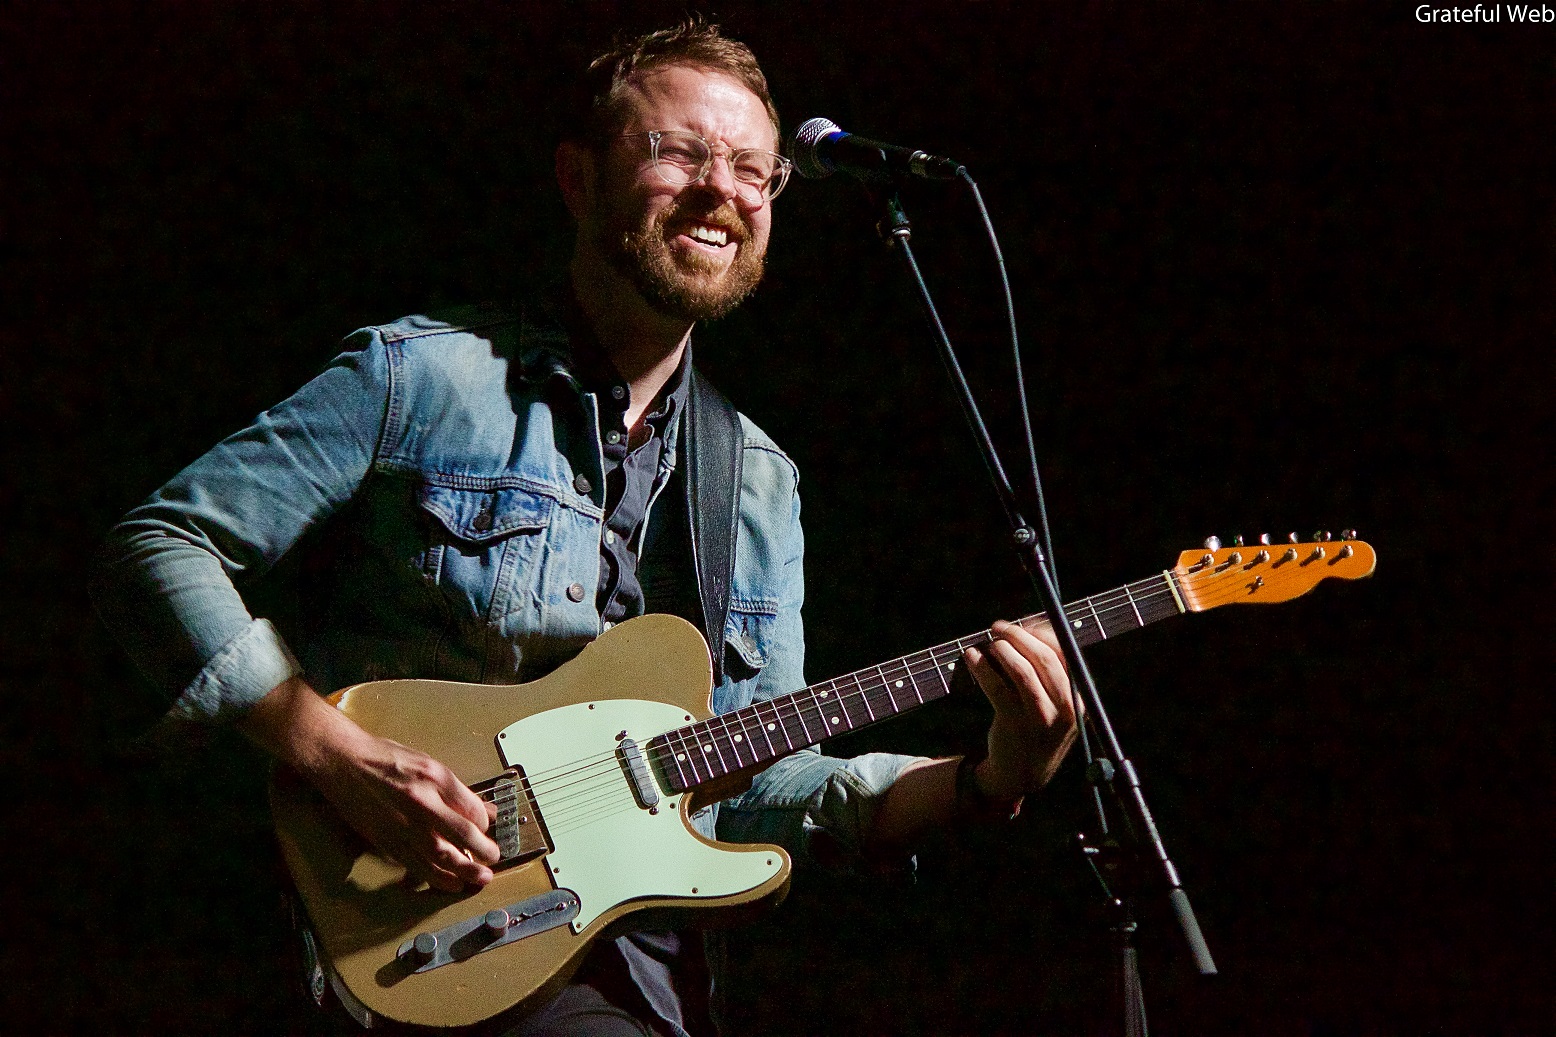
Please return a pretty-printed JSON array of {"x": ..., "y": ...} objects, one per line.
[
  {"x": 1237, "y": 541},
  {"x": 1212, "y": 543},
  {"x": 1292, "y": 538},
  {"x": 1322, "y": 536},
  {"x": 1347, "y": 534},
  {"x": 1264, "y": 538}
]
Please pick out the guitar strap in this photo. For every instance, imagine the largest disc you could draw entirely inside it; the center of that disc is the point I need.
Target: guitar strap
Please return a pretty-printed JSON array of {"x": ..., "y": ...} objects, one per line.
[{"x": 714, "y": 441}]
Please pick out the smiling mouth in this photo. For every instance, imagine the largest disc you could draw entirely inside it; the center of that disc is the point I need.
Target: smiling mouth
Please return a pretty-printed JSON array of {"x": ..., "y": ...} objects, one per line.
[{"x": 709, "y": 235}]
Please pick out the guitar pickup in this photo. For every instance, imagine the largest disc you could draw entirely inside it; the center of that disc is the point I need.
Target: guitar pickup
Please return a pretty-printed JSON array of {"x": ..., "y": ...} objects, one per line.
[
  {"x": 638, "y": 775},
  {"x": 516, "y": 829}
]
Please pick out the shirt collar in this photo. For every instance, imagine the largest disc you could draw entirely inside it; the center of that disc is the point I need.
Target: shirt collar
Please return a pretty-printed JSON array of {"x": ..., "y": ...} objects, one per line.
[{"x": 555, "y": 342}]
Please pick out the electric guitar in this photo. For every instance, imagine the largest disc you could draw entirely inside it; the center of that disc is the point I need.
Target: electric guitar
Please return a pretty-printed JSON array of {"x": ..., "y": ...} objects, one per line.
[{"x": 595, "y": 770}]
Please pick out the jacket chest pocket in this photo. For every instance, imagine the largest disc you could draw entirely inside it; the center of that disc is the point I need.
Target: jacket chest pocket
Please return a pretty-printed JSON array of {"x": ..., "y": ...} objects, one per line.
[
  {"x": 486, "y": 546},
  {"x": 748, "y": 639}
]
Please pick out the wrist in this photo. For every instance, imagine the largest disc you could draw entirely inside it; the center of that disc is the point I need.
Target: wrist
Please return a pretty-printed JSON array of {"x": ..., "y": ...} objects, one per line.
[
  {"x": 294, "y": 725},
  {"x": 973, "y": 800}
]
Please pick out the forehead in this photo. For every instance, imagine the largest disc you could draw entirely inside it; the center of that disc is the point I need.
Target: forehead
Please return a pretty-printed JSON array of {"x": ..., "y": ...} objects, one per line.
[{"x": 679, "y": 97}]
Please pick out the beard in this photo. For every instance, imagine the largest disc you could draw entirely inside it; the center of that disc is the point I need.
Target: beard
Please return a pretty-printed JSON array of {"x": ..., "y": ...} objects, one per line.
[{"x": 685, "y": 285}]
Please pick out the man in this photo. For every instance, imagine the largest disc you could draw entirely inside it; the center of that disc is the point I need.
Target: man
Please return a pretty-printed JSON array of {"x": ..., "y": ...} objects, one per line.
[{"x": 497, "y": 490}]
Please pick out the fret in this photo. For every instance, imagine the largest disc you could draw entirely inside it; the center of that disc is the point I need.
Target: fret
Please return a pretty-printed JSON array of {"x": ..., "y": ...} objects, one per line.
[
  {"x": 864, "y": 694},
  {"x": 1096, "y": 617},
  {"x": 918, "y": 694},
  {"x": 943, "y": 673},
  {"x": 799, "y": 715},
  {"x": 710, "y": 749},
  {"x": 1138, "y": 618},
  {"x": 756, "y": 709},
  {"x": 736, "y": 739},
  {"x": 689, "y": 754},
  {"x": 783, "y": 728},
  {"x": 664, "y": 748},
  {"x": 886, "y": 683},
  {"x": 835, "y": 712}
]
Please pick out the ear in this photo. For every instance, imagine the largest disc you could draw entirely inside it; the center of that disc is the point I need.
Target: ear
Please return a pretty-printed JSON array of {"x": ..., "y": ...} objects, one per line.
[{"x": 575, "y": 176}]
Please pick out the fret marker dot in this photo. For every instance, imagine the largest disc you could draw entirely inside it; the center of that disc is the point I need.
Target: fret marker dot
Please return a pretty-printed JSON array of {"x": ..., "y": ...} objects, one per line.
[
  {"x": 707, "y": 748},
  {"x": 950, "y": 666},
  {"x": 834, "y": 720},
  {"x": 822, "y": 695},
  {"x": 772, "y": 727},
  {"x": 738, "y": 738},
  {"x": 680, "y": 756},
  {"x": 1078, "y": 622}
]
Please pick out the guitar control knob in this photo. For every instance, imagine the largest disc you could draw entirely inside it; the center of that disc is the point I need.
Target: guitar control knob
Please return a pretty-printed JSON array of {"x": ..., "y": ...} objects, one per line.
[
  {"x": 496, "y": 922},
  {"x": 422, "y": 948},
  {"x": 1212, "y": 543}
]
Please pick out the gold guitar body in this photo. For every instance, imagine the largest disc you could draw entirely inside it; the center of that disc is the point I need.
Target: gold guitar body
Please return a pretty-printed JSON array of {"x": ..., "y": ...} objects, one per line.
[{"x": 607, "y": 855}]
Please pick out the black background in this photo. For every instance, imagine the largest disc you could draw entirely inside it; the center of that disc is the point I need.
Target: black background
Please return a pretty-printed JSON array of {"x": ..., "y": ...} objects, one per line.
[{"x": 1278, "y": 267}]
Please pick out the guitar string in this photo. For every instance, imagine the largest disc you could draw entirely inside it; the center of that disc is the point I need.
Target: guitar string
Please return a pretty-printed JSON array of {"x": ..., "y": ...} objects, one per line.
[{"x": 909, "y": 666}]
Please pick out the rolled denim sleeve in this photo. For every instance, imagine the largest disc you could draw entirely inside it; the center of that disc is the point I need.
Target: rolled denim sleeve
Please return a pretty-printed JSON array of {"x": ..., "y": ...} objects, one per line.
[
  {"x": 168, "y": 576},
  {"x": 817, "y": 807}
]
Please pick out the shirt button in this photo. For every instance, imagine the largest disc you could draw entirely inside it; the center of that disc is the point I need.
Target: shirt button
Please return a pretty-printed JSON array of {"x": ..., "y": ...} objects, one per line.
[
  {"x": 581, "y": 484},
  {"x": 576, "y": 592},
  {"x": 619, "y": 392},
  {"x": 606, "y": 625},
  {"x": 613, "y": 437},
  {"x": 610, "y": 538},
  {"x": 483, "y": 522}
]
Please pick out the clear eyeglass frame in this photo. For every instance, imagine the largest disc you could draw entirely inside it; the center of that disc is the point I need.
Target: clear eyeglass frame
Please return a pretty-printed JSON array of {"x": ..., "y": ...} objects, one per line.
[{"x": 682, "y": 158}]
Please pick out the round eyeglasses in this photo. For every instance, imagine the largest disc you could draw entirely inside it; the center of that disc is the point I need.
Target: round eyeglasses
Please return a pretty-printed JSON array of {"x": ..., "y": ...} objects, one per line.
[{"x": 682, "y": 158}]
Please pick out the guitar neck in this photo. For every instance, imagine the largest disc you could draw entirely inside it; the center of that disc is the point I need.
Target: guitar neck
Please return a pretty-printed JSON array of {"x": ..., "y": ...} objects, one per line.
[{"x": 764, "y": 731}]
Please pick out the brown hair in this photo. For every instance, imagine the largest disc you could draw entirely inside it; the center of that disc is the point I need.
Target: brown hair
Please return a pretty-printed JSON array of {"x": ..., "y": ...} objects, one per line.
[{"x": 694, "y": 43}]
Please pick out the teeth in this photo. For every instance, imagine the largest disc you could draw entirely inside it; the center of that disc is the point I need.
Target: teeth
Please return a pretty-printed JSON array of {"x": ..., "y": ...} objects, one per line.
[{"x": 710, "y": 235}]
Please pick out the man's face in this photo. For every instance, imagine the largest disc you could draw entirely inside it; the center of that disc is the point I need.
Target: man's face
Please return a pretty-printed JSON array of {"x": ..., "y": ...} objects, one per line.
[{"x": 694, "y": 251}]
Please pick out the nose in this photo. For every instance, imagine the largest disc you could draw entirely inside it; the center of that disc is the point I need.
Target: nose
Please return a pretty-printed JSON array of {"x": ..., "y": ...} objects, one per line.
[{"x": 720, "y": 178}]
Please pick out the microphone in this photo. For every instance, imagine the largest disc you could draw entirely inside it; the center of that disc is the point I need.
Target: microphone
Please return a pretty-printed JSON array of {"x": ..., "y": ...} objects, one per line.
[{"x": 819, "y": 148}]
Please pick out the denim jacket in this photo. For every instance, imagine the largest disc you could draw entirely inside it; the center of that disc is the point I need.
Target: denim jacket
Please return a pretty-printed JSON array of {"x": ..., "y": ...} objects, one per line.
[{"x": 456, "y": 466}]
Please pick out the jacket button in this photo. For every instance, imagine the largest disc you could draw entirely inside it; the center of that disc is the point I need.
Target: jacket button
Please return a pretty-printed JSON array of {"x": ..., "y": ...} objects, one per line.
[
  {"x": 483, "y": 522},
  {"x": 582, "y": 484},
  {"x": 576, "y": 592}
]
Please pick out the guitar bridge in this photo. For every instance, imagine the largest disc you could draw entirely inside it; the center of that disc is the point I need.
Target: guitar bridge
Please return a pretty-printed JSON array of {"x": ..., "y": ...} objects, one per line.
[{"x": 516, "y": 829}]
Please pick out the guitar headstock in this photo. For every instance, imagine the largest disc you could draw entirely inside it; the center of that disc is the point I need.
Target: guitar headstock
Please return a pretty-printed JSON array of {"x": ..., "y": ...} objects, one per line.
[{"x": 1268, "y": 572}]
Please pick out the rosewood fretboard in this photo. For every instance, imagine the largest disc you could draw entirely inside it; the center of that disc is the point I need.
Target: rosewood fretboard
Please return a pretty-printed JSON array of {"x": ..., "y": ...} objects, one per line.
[{"x": 763, "y": 731}]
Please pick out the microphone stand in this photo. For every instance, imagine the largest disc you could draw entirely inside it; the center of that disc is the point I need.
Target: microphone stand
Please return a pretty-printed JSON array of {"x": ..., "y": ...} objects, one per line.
[{"x": 1113, "y": 770}]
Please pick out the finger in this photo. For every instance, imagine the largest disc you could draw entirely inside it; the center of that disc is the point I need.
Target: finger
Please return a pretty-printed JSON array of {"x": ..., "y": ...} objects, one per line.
[
  {"x": 435, "y": 876},
  {"x": 990, "y": 680},
  {"x": 1040, "y": 644},
  {"x": 460, "y": 864},
  {"x": 1039, "y": 651},
  {"x": 1029, "y": 695},
  {"x": 463, "y": 835}
]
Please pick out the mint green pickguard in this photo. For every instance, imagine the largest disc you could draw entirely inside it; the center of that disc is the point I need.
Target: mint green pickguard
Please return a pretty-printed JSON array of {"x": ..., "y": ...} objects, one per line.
[{"x": 608, "y": 849}]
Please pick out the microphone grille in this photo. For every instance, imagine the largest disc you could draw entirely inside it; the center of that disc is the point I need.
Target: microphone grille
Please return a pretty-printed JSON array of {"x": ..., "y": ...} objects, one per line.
[{"x": 802, "y": 147}]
